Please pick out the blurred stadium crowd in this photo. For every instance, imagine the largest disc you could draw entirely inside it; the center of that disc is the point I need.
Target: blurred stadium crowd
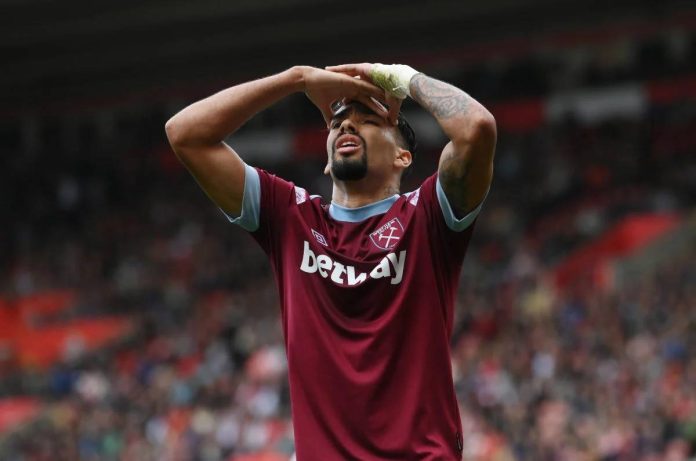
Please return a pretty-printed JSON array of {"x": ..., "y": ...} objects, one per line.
[{"x": 587, "y": 370}]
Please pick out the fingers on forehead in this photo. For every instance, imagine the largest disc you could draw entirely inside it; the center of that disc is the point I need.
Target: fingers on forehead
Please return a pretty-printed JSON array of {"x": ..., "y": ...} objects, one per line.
[
  {"x": 366, "y": 105},
  {"x": 344, "y": 66},
  {"x": 369, "y": 88},
  {"x": 375, "y": 106}
]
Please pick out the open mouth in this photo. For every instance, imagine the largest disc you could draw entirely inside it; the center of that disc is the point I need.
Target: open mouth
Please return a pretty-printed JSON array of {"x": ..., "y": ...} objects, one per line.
[{"x": 347, "y": 144}]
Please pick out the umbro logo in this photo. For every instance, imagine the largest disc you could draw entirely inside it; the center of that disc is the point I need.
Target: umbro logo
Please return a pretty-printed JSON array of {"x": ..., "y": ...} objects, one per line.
[
  {"x": 320, "y": 238},
  {"x": 387, "y": 236}
]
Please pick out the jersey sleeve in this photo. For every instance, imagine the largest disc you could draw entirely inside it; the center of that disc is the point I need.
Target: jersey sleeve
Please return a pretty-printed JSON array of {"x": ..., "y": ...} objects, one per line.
[
  {"x": 251, "y": 202},
  {"x": 266, "y": 204},
  {"x": 448, "y": 235},
  {"x": 453, "y": 223}
]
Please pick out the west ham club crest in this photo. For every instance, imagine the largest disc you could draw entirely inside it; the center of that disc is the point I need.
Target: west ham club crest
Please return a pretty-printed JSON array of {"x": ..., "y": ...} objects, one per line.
[{"x": 388, "y": 235}]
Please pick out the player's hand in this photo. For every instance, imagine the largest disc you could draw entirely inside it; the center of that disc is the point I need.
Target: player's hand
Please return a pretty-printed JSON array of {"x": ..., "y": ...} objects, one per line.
[
  {"x": 363, "y": 71},
  {"x": 324, "y": 88}
]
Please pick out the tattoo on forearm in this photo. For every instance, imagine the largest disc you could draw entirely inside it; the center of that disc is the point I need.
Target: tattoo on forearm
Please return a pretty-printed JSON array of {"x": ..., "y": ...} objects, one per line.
[{"x": 441, "y": 99}]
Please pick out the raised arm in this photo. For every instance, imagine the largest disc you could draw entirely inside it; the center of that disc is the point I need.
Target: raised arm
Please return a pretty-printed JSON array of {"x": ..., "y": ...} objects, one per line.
[
  {"x": 466, "y": 163},
  {"x": 197, "y": 132}
]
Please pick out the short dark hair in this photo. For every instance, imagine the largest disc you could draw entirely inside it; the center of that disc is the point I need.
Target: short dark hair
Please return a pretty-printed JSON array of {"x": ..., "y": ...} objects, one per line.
[{"x": 407, "y": 134}]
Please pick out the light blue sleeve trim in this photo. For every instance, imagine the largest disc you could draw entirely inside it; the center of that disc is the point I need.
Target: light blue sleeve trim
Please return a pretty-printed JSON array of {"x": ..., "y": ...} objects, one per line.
[
  {"x": 251, "y": 201},
  {"x": 453, "y": 223}
]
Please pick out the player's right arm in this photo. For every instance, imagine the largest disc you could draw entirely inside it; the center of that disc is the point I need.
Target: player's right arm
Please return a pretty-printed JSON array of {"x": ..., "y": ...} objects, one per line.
[{"x": 197, "y": 132}]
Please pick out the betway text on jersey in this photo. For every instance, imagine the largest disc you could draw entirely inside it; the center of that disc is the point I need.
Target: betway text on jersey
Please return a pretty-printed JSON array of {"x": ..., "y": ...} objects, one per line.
[{"x": 391, "y": 266}]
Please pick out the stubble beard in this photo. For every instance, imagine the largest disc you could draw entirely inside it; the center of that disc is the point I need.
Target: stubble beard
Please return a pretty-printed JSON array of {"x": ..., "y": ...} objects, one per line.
[{"x": 349, "y": 169}]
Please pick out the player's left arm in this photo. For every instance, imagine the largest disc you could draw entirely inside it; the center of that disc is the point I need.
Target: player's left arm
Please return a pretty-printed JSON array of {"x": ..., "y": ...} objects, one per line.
[{"x": 465, "y": 168}]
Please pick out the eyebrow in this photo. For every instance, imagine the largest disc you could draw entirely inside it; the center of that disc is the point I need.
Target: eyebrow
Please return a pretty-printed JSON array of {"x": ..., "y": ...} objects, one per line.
[
  {"x": 340, "y": 116},
  {"x": 359, "y": 108}
]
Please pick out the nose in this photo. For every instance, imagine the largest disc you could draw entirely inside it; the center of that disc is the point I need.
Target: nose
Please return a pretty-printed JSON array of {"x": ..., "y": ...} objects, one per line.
[{"x": 347, "y": 125}]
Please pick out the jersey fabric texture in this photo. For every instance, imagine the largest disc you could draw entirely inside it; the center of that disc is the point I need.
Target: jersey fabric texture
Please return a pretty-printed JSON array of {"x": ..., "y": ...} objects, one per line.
[{"x": 367, "y": 303}]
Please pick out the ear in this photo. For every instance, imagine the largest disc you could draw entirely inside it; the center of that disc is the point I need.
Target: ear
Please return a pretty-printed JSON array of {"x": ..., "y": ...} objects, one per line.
[
  {"x": 327, "y": 169},
  {"x": 403, "y": 159}
]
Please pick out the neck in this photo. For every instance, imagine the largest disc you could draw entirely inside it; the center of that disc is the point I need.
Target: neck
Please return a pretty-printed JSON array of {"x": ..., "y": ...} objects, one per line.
[{"x": 352, "y": 195}]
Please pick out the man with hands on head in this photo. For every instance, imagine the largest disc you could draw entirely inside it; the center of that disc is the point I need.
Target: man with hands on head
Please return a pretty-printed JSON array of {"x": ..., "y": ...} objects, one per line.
[{"x": 367, "y": 282}]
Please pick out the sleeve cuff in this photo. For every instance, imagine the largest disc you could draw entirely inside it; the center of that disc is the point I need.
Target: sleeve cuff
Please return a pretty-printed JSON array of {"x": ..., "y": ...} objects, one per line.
[
  {"x": 453, "y": 223},
  {"x": 251, "y": 202}
]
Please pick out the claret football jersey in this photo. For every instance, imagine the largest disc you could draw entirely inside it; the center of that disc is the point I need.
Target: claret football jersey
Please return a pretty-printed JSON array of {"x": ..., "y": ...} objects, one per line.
[{"x": 367, "y": 298}]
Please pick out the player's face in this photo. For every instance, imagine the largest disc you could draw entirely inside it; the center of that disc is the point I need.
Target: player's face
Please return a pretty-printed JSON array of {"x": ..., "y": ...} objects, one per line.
[{"x": 360, "y": 142}]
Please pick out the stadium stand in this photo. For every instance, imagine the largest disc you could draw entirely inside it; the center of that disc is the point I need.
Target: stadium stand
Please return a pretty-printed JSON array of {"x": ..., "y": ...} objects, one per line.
[{"x": 136, "y": 323}]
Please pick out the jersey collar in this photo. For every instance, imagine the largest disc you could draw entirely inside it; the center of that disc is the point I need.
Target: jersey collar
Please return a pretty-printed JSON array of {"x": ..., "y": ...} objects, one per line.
[{"x": 341, "y": 213}]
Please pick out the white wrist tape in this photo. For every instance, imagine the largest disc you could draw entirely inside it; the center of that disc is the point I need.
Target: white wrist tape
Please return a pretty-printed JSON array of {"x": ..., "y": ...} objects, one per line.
[{"x": 394, "y": 78}]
